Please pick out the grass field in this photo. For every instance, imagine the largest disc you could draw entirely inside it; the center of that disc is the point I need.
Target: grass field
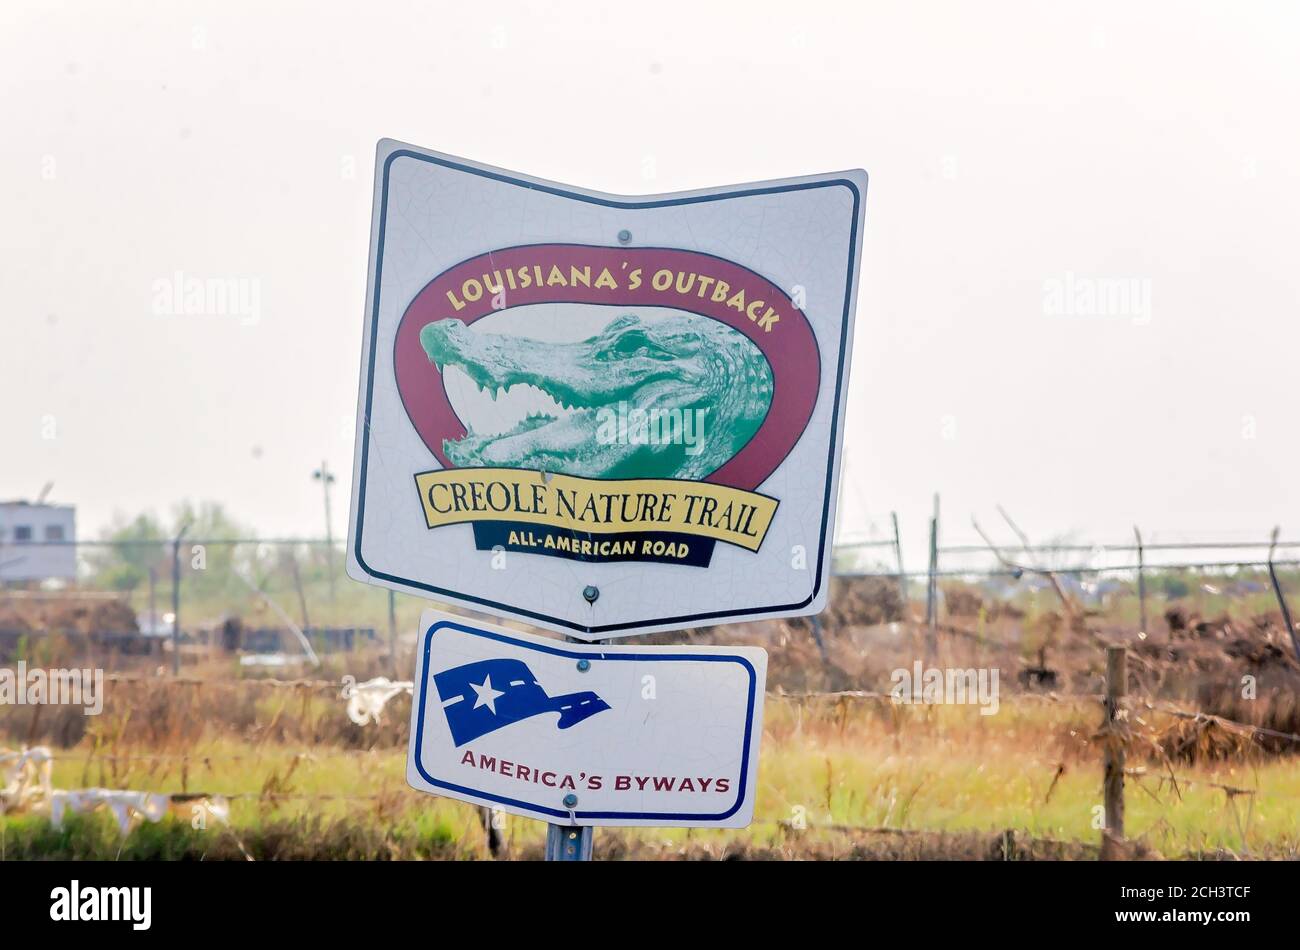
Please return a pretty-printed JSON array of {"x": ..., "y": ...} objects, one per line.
[{"x": 838, "y": 779}]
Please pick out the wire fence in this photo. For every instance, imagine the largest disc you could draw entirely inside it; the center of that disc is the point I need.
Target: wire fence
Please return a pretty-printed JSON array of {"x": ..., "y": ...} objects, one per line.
[
  {"x": 156, "y": 570},
  {"x": 183, "y": 600},
  {"x": 1093, "y": 574}
]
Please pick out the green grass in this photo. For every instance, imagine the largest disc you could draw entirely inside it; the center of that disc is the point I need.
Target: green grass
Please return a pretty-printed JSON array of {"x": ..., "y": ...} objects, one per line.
[{"x": 938, "y": 770}]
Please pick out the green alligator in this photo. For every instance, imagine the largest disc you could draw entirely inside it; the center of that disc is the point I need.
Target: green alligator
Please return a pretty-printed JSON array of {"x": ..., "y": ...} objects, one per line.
[{"x": 708, "y": 378}]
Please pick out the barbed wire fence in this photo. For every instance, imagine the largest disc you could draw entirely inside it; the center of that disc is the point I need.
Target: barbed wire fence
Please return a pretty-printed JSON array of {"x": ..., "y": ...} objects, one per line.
[{"x": 1091, "y": 574}]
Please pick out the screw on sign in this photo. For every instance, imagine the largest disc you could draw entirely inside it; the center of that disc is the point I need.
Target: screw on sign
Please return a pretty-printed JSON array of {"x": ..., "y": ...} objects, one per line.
[{"x": 669, "y": 413}]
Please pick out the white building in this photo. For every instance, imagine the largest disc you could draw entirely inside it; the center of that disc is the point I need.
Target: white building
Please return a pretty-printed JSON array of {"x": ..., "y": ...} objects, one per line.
[{"x": 36, "y": 541}]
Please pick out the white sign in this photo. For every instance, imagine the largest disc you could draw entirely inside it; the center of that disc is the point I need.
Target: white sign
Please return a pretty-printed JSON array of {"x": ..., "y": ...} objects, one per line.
[
  {"x": 577, "y": 734},
  {"x": 603, "y": 415}
]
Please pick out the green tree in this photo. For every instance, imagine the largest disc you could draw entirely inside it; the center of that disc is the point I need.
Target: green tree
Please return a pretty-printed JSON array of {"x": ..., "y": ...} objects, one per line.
[
  {"x": 139, "y": 543},
  {"x": 124, "y": 564},
  {"x": 209, "y": 568}
]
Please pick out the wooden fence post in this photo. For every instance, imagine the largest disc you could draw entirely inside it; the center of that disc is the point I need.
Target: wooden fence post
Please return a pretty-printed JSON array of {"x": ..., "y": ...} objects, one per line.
[{"x": 1112, "y": 835}]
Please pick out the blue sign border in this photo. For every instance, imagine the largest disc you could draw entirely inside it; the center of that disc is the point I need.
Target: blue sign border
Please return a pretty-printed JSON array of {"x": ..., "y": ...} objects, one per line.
[
  {"x": 630, "y": 204},
  {"x": 587, "y": 653}
]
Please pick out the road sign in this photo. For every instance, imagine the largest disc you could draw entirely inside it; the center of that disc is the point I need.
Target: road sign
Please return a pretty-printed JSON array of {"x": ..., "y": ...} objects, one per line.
[
  {"x": 600, "y": 414},
  {"x": 587, "y": 735}
]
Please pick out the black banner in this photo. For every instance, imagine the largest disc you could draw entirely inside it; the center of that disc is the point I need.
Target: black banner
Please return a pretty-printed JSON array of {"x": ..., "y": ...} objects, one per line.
[
  {"x": 1021, "y": 903},
  {"x": 661, "y": 547}
]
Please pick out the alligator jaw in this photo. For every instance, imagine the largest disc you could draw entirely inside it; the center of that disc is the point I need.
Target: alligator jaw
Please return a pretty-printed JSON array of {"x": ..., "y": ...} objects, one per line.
[
  {"x": 688, "y": 365},
  {"x": 499, "y": 365}
]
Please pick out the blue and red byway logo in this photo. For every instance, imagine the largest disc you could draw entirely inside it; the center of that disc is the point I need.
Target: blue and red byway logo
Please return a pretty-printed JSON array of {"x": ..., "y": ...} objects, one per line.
[{"x": 482, "y": 697}]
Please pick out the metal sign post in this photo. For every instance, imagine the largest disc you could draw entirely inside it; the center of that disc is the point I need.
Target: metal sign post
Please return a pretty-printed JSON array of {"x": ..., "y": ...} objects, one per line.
[
  {"x": 572, "y": 842},
  {"x": 569, "y": 842}
]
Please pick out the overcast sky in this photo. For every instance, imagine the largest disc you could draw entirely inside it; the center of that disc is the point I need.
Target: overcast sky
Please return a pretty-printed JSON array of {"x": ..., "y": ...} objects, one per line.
[{"x": 1021, "y": 155}]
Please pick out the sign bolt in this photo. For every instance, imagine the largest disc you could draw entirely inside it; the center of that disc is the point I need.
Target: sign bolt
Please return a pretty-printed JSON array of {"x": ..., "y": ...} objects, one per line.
[
  {"x": 584, "y": 665},
  {"x": 570, "y": 800},
  {"x": 590, "y": 593},
  {"x": 624, "y": 236}
]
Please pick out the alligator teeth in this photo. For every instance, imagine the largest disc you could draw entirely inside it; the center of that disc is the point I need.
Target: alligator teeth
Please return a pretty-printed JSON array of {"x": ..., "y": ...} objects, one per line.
[{"x": 504, "y": 409}]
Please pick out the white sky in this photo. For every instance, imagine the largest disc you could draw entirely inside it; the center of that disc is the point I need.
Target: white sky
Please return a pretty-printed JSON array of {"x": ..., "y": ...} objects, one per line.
[{"x": 1008, "y": 145}]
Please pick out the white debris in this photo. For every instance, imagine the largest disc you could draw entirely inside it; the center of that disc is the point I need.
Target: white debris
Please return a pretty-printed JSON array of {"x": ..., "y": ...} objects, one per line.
[
  {"x": 366, "y": 701},
  {"x": 127, "y": 807},
  {"x": 28, "y": 788},
  {"x": 26, "y": 778}
]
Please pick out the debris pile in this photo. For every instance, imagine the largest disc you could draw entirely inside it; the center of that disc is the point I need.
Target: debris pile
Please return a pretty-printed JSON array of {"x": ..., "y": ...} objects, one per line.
[
  {"x": 66, "y": 613},
  {"x": 859, "y": 602},
  {"x": 27, "y": 787}
]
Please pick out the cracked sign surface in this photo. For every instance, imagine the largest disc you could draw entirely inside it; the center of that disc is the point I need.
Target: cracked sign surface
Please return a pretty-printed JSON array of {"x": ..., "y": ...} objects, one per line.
[{"x": 564, "y": 390}]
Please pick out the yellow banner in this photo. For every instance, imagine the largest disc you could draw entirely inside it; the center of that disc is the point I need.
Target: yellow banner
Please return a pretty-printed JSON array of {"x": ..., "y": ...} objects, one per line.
[{"x": 594, "y": 505}]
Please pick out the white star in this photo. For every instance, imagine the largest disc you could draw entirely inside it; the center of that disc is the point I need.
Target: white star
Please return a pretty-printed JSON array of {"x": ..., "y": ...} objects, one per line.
[{"x": 487, "y": 696}]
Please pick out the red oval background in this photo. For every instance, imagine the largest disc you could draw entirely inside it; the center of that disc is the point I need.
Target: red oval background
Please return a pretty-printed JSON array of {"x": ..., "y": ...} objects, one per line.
[{"x": 790, "y": 346}]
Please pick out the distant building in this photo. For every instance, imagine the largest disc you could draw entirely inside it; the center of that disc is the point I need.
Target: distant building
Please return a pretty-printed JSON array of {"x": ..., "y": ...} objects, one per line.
[{"x": 36, "y": 542}]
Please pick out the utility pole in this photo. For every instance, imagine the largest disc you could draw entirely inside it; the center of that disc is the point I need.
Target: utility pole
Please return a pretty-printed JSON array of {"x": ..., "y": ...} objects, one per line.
[{"x": 326, "y": 478}]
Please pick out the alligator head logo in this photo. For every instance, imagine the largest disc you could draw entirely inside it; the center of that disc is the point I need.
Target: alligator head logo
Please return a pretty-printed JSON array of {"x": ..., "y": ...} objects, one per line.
[
  {"x": 700, "y": 388},
  {"x": 685, "y": 333}
]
